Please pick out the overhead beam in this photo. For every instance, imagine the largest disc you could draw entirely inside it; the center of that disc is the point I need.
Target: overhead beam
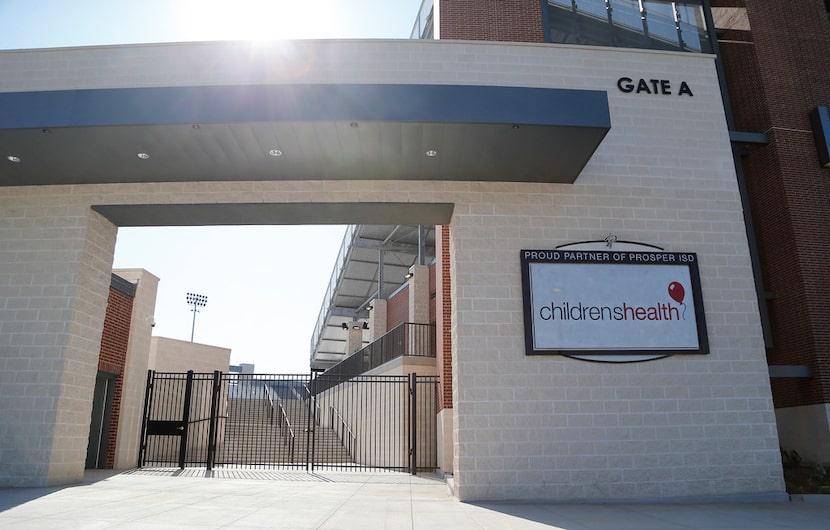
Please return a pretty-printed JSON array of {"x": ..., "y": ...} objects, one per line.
[
  {"x": 345, "y": 312},
  {"x": 371, "y": 244},
  {"x": 300, "y": 213}
]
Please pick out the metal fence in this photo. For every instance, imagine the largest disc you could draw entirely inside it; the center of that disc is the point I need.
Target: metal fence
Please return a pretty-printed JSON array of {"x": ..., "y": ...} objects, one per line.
[
  {"x": 289, "y": 422},
  {"x": 180, "y": 415}
]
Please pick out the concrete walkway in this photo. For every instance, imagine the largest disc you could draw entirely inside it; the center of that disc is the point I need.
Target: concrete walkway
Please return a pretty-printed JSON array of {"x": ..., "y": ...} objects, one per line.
[{"x": 248, "y": 499}]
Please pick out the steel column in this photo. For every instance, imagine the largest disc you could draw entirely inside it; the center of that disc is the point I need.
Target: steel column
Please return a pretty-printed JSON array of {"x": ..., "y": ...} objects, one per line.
[
  {"x": 413, "y": 423},
  {"x": 148, "y": 398},
  {"x": 214, "y": 418},
  {"x": 185, "y": 419}
]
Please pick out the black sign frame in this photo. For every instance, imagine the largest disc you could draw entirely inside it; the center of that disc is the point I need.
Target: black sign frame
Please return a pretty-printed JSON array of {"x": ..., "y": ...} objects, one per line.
[{"x": 590, "y": 257}]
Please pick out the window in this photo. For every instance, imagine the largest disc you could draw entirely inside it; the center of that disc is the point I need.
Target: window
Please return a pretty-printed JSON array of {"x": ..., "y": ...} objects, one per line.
[{"x": 652, "y": 24}]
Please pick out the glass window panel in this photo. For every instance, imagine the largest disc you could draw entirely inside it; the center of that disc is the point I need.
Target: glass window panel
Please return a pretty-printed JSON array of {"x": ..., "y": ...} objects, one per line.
[
  {"x": 567, "y": 4},
  {"x": 660, "y": 19},
  {"x": 690, "y": 36},
  {"x": 692, "y": 26},
  {"x": 592, "y": 7},
  {"x": 626, "y": 13}
]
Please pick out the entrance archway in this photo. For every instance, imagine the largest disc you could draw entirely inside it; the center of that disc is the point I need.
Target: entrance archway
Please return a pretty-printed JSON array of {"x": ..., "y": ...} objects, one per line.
[{"x": 211, "y": 257}]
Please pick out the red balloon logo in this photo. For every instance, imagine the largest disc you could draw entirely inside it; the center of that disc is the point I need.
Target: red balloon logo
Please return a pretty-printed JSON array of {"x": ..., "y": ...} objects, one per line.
[{"x": 677, "y": 292}]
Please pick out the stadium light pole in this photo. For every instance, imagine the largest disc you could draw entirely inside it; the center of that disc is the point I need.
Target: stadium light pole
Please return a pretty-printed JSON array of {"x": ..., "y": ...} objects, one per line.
[{"x": 197, "y": 301}]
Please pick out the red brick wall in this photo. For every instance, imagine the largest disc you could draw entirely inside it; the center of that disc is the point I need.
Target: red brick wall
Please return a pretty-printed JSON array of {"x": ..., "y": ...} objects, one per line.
[
  {"x": 432, "y": 294},
  {"x": 492, "y": 20},
  {"x": 443, "y": 310},
  {"x": 113, "y": 357},
  {"x": 397, "y": 309},
  {"x": 776, "y": 74}
]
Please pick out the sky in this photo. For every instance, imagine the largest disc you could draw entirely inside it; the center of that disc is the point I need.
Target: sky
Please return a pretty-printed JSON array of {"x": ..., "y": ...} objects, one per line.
[
  {"x": 60, "y": 23},
  {"x": 264, "y": 285}
]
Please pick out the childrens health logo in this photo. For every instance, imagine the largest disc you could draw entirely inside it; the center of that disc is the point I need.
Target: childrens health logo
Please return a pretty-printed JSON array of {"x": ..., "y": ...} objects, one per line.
[{"x": 567, "y": 310}]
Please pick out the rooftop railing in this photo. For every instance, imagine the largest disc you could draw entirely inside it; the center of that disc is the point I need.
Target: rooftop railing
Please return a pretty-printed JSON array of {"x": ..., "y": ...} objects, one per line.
[
  {"x": 407, "y": 339},
  {"x": 423, "y": 27},
  {"x": 339, "y": 264},
  {"x": 662, "y": 23}
]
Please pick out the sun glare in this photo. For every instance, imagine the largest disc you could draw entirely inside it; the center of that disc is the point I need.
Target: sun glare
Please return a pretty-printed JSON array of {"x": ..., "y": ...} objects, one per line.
[{"x": 249, "y": 20}]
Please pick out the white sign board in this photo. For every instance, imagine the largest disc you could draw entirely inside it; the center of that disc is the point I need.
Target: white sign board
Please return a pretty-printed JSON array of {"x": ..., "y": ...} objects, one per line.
[{"x": 579, "y": 302}]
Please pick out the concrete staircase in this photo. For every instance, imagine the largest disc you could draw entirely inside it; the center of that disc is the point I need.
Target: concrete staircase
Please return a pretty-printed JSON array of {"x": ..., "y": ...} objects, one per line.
[{"x": 256, "y": 435}]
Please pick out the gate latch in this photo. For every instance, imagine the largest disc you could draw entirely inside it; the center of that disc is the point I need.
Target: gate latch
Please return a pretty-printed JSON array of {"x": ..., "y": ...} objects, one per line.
[{"x": 165, "y": 428}]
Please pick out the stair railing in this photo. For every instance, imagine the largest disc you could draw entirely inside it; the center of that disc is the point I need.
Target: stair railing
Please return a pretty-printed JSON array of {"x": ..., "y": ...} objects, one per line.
[
  {"x": 284, "y": 423},
  {"x": 347, "y": 438}
]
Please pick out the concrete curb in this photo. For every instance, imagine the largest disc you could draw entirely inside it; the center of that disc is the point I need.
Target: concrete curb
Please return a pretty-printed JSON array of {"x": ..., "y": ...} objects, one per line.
[{"x": 820, "y": 499}]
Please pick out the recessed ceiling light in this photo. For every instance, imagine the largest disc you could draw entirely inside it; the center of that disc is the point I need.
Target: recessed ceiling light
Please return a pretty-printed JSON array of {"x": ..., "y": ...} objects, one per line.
[
  {"x": 275, "y": 152},
  {"x": 143, "y": 156},
  {"x": 353, "y": 125},
  {"x": 432, "y": 153},
  {"x": 46, "y": 131},
  {"x": 196, "y": 126},
  {"x": 14, "y": 159}
]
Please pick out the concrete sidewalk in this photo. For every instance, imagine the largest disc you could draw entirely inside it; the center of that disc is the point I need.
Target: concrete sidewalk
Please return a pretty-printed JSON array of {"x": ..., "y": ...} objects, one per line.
[{"x": 250, "y": 499}]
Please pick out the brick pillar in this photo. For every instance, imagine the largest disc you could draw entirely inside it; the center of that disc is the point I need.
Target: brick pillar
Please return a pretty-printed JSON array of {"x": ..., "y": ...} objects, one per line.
[
  {"x": 377, "y": 319},
  {"x": 135, "y": 371},
  {"x": 443, "y": 322},
  {"x": 54, "y": 277},
  {"x": 419, "y": 294},
  {"x": 443, "y": 355},
  {"x": 113, "y": 357},
  {"x": 354, "y": 341}
]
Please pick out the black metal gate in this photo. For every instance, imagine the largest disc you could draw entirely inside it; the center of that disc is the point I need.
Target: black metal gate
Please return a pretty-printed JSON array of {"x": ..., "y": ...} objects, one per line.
[{"x": 222, "y": 420}]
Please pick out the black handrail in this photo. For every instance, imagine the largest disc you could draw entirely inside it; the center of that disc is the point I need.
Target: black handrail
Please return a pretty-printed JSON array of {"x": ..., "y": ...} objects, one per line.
[
  {"x": 284, "y": 422},
  {"x": 348, "y": 439},
  {"x": 406, "y": 340}
]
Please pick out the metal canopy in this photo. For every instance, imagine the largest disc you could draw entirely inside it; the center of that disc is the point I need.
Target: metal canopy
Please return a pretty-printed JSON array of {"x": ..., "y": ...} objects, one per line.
[
  {"x": 299, "y": 132},
  {"x": 355, "y": 282},
  {"x": 303, "y": 132}
]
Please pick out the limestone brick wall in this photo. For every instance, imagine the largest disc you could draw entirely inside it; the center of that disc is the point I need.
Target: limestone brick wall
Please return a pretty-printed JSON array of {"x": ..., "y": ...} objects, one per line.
[
  {"x": 173, "y": 355},
  {"x": 377, "y": 319},
  {"x": 80, "y": 362},
  {"x": 419, "y": 295},
  {"x": 523, "y": 427},
  {"x": 54, "y": 282}
]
